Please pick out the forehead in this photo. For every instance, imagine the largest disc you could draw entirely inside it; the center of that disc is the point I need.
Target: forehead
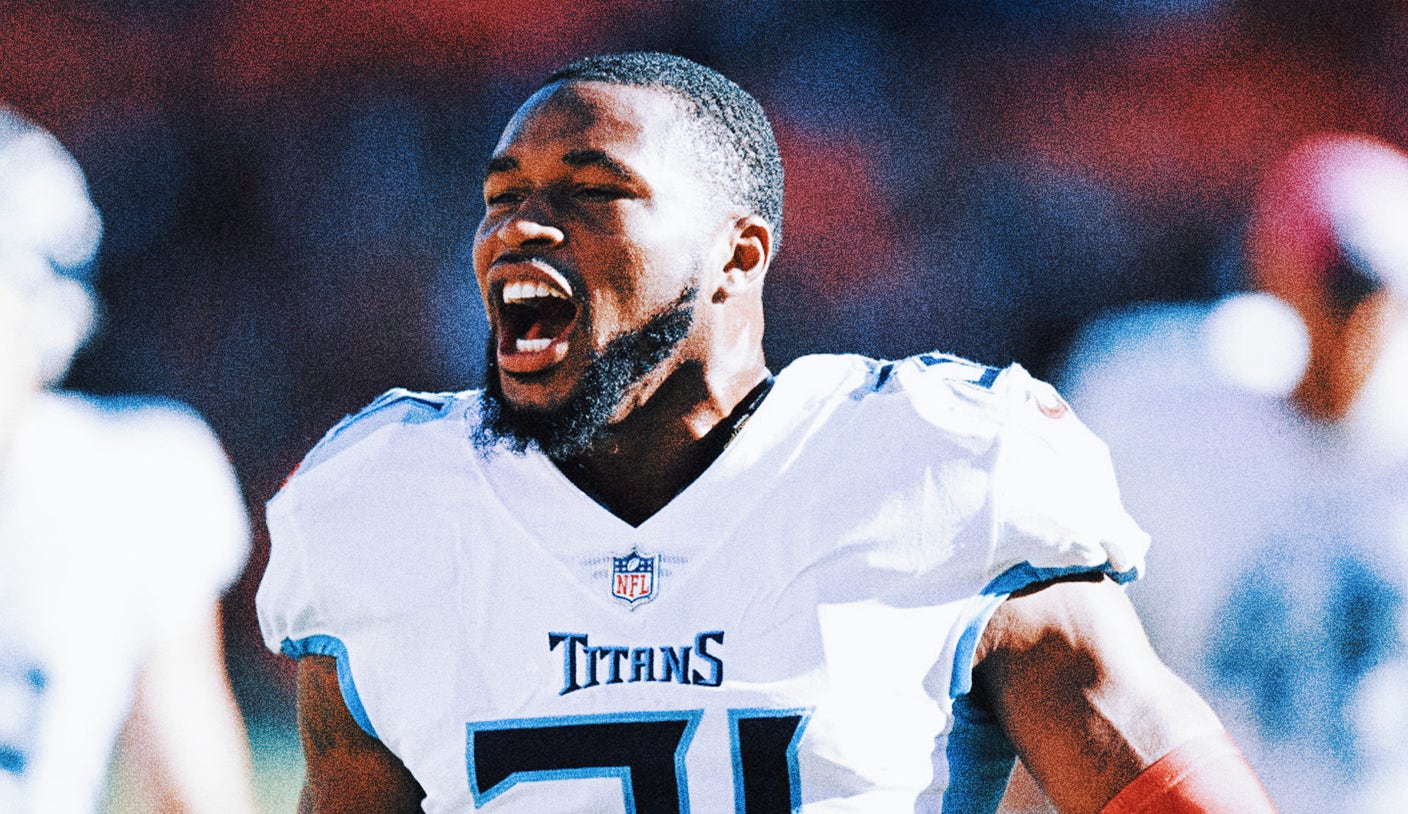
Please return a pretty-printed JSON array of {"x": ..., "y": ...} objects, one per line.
[{"x": 626, "y": 121}]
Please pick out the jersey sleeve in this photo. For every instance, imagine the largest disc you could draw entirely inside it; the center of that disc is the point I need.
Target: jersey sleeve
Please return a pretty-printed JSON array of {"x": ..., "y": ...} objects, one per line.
[
  {"x": 292, "y": 619},
  {"x": 1034, "y": 494},
  {"x": 1055, "y": 504},
  {"x": 287, "y": 601},
  {"x": 1025, "y": 492},
  {"x": 291, "y": 598},
  {"x": 329, "y": 577}
]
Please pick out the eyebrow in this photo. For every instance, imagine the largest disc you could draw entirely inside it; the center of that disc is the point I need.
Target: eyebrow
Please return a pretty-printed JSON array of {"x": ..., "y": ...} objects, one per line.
[
  {"x": 597, "y": 158},
  {"x": 500, "y": 163},
  {"x": 572, "y": 158}
]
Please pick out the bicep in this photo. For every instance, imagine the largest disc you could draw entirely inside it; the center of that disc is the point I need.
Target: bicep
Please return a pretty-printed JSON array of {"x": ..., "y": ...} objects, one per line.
[
  {"x": 1088, "y": 705},
  {"x": 347, "y": 769}
]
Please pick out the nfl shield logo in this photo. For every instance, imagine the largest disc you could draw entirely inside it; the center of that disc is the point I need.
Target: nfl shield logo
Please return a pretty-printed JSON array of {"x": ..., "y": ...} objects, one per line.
[{"x": 633, "y": 577}]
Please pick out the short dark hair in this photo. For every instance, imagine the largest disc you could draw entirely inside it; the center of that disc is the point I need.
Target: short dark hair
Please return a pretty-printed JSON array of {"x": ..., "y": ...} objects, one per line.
[{"x": 751, "y": 165}]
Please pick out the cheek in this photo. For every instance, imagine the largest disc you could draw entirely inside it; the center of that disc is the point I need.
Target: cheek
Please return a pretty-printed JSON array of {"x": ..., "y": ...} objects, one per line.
[
  {"x": 669, "y": 249},
  {"x": 645, "y": 261},
  {"x": 481, "y": 255},
  {"x": 641, "y": 277},
  {"x": 480, "y": 246}
]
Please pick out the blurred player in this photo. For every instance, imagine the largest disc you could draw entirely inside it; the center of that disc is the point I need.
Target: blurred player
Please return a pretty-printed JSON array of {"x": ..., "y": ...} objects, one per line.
[
  {"x": 1262, "y": 441},
  {"x": 120, "y": 526},
  {"x": 640, "y": 573}
]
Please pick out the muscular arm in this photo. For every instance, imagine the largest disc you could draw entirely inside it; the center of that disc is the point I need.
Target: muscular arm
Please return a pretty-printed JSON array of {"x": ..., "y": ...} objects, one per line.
[
  {"x": 1088, "y": 705},
  {"x": 348, "y": 770}
]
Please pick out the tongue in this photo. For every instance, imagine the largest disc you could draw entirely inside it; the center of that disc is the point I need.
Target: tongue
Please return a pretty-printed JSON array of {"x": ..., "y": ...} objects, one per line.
[
  {"x": 544, "y": 318},
  {"x": 537, "y": 331}
]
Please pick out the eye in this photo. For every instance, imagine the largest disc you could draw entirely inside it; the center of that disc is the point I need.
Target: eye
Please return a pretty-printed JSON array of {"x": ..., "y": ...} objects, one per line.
[
  {"x": 501, "y": 198},
  {"x": 598, "y": 194}
]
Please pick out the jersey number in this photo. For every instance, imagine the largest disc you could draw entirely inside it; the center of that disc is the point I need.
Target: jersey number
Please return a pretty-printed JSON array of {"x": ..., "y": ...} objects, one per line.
[{"x": 646, "y": 751}]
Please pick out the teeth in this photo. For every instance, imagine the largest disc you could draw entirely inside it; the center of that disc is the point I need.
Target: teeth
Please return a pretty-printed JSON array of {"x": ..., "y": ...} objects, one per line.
[
  {"x": 531, "y": 345},
  {"x": 528, "y": 290}
]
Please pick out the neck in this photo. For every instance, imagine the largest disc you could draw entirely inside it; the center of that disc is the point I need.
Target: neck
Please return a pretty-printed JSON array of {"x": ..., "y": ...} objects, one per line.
[{"x": 667, "y": 441}]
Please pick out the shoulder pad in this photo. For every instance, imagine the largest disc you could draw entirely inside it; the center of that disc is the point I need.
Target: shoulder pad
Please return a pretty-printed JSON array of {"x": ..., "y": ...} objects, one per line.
[
  {"x": 1147, "y": 337},
  {"x": 409, "y": 398},
  {"x": 956, "y": 368},
  {"x": 144, "y": 422},
  {"x": 129, "y": 404},
  {"x": 933, "y": 368},
  {"x": 942, "y": 386}
]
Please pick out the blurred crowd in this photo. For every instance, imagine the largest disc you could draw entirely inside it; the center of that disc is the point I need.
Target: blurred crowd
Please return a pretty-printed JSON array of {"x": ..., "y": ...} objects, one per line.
[{"x": 288, "y": 189}]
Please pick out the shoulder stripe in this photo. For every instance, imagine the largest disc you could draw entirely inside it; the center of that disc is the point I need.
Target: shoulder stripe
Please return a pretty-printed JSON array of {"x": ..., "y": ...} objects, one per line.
[
  {"x": 883, "y": 375},
  {"x": 401, "y": 393},
  {"x": 974, "y": 373},
  {"x": 398, "y": 394},
  {"x": 1002, "y": 586}
]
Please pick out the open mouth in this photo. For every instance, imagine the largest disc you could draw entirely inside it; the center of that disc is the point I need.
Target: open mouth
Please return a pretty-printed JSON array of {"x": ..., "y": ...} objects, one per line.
[{"x": 535, "y": 318}]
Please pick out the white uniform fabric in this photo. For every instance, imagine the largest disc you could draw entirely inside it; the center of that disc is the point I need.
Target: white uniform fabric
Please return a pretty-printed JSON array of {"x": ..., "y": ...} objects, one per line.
[
  {"x": 1277, "y": 575},
  {"x": 807, "y": 637},
  {"x": 119, "y": 521}
]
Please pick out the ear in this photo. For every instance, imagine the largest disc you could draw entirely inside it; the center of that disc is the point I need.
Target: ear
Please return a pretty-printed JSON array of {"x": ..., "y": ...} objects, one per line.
[{"x": 750, "y": 244}]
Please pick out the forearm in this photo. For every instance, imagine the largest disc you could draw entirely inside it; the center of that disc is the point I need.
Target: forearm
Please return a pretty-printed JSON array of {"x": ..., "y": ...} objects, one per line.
[{"x": 1204, "y": 775}]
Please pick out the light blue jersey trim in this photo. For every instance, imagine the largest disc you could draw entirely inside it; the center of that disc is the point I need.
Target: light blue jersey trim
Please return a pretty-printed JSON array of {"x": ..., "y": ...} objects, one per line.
[
  {"x": 980, "y": 757},
  {"x": 980, "y": 761},
  {"x": 123, "y": 404},
  {"x": 321, "y": 645},
  {"x": 1005, "y": 584}
]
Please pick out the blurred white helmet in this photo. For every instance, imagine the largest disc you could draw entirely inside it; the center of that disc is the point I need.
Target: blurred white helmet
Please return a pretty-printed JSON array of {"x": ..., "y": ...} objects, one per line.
[{"x": 49, "y": 234}]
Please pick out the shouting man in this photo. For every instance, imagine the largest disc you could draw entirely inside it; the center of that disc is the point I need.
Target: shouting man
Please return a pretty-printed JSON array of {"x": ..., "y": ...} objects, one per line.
[{"x": 637, "y": 572}]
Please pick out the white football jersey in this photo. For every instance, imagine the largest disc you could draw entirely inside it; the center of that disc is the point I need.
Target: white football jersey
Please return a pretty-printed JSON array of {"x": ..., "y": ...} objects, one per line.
[
  {"x": 119, "y": 519},
  {"x": 793, "y": 632}
]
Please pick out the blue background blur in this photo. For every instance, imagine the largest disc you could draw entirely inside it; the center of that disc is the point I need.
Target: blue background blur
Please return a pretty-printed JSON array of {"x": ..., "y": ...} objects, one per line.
[{"x": 289, "y": 187}]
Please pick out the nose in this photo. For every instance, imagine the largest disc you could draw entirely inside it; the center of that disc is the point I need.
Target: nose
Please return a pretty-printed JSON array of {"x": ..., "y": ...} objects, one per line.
[{"x": 529, "y": 227}]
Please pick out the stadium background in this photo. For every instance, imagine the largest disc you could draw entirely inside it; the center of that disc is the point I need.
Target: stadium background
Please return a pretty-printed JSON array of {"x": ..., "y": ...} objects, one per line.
[{"x": 289, "y": 187}]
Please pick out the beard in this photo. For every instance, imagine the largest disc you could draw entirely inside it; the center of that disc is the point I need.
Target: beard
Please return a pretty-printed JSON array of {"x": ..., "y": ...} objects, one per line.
[{"x": 584, "y": 417}]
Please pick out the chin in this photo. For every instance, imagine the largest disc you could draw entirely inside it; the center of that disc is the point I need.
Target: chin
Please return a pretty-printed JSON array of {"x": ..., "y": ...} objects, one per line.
[
  {"x": 542, "y": 390},
  {"x": 564, "y": 409}
]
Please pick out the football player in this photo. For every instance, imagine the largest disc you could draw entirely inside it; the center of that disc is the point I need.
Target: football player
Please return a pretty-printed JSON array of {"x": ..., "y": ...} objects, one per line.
[
  {"x": 120, "y": 526},
  {"x": 640, "y": 572},
  {"x": 1261, "y": 439}
]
